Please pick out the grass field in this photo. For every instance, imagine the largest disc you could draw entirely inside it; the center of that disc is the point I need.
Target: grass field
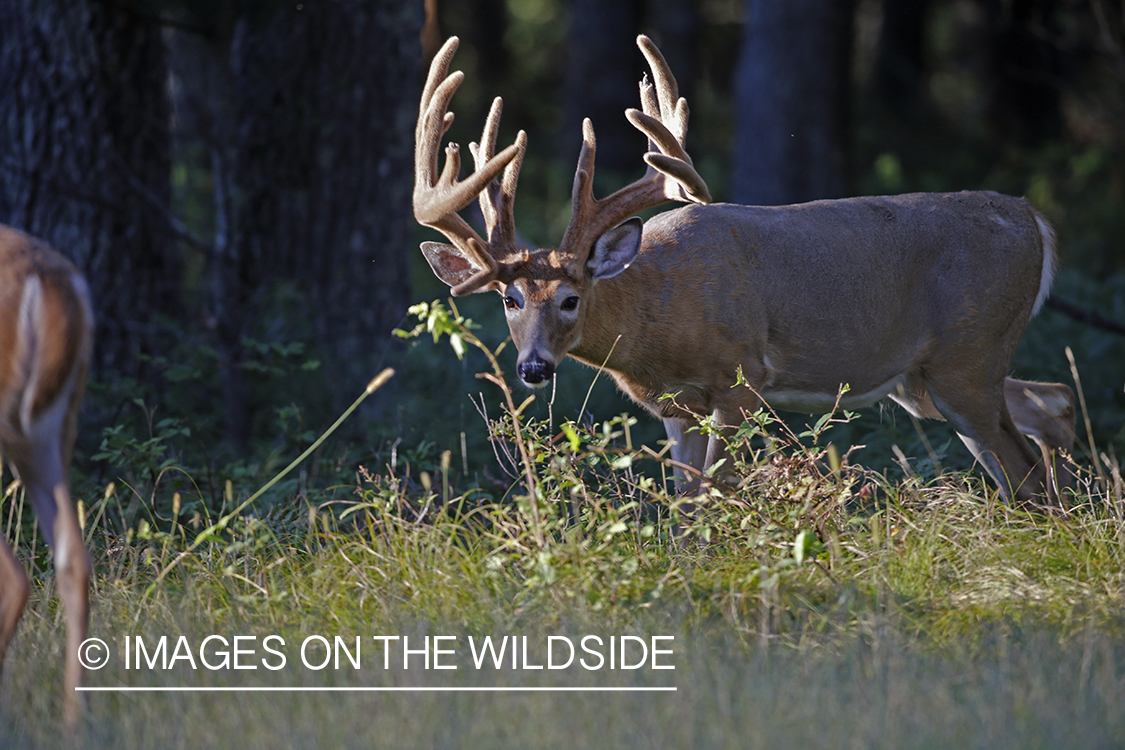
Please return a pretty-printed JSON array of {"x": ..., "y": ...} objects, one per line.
[{"x": 814, "y": 605}]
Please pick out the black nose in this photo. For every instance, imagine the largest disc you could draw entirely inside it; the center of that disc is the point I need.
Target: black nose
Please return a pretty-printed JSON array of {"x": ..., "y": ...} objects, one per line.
[{"x": 535, "y": 371}]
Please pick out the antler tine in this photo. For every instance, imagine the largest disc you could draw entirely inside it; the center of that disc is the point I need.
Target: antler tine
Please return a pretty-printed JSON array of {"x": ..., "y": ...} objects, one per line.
[
  {"x": 438, "y": 198},
  {"x": 670, "y": 174},
  {"x": 439, "y": 67},
  {"x": 664, "y": 120},
  {"x": 667, "y": 90},
  {"x": 668, "y": 156},
  {"x": 583, "y": 204},
  {"x": 497, "y": 202}
]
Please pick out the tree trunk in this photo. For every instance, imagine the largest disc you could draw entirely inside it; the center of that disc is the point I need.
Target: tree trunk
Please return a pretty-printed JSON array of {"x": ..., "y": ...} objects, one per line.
[
  {"x": 308, "y": 113},
  {"x": 327, "y": 100},
  {"x": 85, "y": 159},
  {"x": 791, "y": 108},
  {"x": 603, "y": 66}
]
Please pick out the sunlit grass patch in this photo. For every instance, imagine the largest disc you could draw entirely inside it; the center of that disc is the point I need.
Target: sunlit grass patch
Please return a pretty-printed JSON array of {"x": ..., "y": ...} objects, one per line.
[{"x": 810, "y": 603}]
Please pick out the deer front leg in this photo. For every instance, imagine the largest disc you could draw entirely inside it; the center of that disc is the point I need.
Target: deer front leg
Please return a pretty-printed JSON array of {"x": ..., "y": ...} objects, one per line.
[
  {"x": 689, "y": 451},
  {"x": 725, "y": 422},
  {"x": 693, "y": 452},
  {"x": 14, "y": 590},
  {"x": 692, "y": 448}
]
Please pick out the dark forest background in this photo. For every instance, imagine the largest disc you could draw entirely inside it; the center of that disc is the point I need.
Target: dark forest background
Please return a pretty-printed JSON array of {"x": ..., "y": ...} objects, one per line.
[{"x": 234, "y": 178}]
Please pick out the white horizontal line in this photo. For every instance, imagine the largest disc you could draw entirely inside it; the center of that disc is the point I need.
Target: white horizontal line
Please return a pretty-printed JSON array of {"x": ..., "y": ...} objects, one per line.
[{"x": 128, "y": 689}]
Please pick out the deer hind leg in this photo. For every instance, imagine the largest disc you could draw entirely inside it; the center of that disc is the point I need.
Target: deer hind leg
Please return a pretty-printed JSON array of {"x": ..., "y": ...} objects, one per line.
[
  {"x": 42, "y": 469},
  {"x": 1045, "y": 413},
  {"x": 1047, "y": 417},
  {"x": 980, "y": 416},
  {"x": 50, "y": 498},
  {"x": 72, "y": 569}
]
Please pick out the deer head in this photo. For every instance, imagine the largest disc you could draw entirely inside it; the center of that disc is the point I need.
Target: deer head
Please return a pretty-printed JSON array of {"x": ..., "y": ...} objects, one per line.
[{"x": 545, "y": 291}]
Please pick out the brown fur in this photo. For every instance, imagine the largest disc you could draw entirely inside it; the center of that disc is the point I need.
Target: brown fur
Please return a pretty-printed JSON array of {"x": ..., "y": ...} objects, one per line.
[
  {"x": 934, "y": 289},
  {"x": 918, "y": 297},
  {"x": 45, "y": 330}
]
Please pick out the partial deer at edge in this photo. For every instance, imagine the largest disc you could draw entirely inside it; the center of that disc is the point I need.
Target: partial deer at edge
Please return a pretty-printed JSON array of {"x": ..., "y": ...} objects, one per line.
[
  {"x": 920, "y": 298},
  {"x": 46, "y": 329}
]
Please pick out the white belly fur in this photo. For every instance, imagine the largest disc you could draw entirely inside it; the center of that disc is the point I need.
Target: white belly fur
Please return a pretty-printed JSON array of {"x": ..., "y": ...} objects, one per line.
[{"x": 819, "y": 403}]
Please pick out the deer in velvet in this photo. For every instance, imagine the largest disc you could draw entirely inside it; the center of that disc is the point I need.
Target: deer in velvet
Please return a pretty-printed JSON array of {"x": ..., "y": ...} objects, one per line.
[
  {"x": 46, "y": 328},
  {"x": 920, "y": 298}
]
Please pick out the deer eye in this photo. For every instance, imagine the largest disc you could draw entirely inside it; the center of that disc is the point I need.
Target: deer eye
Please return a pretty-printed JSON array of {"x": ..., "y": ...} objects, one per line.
[
  {"x": 570, "y": 303},
  {"x": 511, "y": 303}
]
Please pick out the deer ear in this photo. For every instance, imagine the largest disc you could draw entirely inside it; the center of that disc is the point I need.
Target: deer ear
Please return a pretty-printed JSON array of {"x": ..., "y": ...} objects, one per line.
[
  {"x": 616, "y": 249},
  {"x": 448, "y": 263}
]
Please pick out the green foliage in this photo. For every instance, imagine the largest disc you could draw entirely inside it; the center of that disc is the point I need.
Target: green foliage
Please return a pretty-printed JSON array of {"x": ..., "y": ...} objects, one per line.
[
  {"x": 438, "y": 322},
  {"x": 799, "y": 569},
  {"x": 910, "y": 608}
]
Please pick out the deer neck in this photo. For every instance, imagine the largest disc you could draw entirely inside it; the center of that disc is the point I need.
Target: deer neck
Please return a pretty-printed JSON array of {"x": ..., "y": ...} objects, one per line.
[{"x": 611, "y": 329}]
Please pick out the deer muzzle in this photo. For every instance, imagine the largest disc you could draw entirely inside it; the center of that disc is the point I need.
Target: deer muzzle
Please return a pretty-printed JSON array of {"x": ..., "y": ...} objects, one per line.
[{"x": 535, "y": 372}]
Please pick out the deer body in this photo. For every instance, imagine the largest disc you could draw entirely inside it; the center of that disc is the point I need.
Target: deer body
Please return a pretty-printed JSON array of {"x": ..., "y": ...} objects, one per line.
[
  {"x": 919, "y": 297},
  {"x": 871, "y": 292},
  {"x": 46, "y": 334}
]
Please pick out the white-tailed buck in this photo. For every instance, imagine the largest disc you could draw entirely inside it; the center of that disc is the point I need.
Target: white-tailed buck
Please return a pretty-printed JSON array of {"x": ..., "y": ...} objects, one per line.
[
  {"x": 46, "y": 331},
  {"x": 919, "y": 297}
]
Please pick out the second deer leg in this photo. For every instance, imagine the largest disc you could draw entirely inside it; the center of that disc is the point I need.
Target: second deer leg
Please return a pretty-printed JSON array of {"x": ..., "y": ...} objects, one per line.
[
  {"x": 724, "y": 422},
  {"x": 980, "y": 417},
  {"x": 1045, "y": 413},
  {"x": 14, "y": 590},
  {"x": 689, "y": 451}
]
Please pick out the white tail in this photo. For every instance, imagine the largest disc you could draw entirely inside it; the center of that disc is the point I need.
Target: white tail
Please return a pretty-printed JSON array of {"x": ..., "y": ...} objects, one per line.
[
  {"x": 918, "y": 297},
  {"x": 46, "y": 327}
]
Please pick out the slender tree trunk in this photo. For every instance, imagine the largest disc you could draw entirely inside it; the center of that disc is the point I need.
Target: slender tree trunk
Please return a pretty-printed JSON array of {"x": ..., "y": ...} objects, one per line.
[
  {"x": 900, "y": 65},
  {"x": 791, "y": 109},
  {"x": 675, "y": 27},
  {"x": 1021, "y": 68},
  {"x": 602, "y": 69},
  {"x": 206, "y": 113}
]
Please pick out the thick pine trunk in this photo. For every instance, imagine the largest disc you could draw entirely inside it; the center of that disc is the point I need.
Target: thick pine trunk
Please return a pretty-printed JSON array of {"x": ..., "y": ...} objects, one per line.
[
  {"x": 85, "y": 159},
  {"x": 307, "y": 112}
]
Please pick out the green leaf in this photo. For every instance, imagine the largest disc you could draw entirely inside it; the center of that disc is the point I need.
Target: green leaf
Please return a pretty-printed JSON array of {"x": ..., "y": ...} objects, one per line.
[
  {"x": 615, "y": 528},
  {"x": 799, "y": 546},
  {"x": 458, "y": 345},
  {"x": 571, "y": 436},
  {"x": 710, "y": 470}
]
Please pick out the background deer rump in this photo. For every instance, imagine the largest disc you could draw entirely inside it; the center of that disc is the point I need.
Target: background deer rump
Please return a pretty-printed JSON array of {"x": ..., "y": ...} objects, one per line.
[
  {"x": 46, "y": 329},
  {"x": 919, "y": 297}
]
